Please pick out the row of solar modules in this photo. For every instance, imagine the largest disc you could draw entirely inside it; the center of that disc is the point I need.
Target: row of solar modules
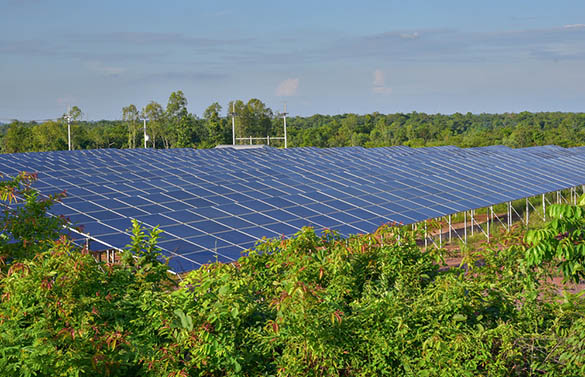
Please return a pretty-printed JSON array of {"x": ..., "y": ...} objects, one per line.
[
  {"x": 114, "y": 159},
  {"x": 213, "y": 204}
]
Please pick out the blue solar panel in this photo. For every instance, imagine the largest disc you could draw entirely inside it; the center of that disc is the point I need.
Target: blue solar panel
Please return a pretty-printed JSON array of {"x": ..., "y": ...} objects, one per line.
[{"x": 196, "y": 196}]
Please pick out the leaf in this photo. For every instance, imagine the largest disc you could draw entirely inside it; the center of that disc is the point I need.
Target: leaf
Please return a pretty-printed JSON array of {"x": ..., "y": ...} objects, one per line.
[
  {"x": 186, "y": 320},
  {"x": 224, "y": 290},
  {"x": 237, "y": 366},
  {"x": 459, "y": 317}
]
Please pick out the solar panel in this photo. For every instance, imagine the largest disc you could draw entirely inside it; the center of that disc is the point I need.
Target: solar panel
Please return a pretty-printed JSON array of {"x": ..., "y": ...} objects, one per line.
[{"x": 213, "y": 204}]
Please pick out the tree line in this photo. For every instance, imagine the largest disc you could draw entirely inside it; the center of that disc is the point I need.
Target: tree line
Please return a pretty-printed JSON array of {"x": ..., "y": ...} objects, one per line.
[{"x": 173, "y": 126}]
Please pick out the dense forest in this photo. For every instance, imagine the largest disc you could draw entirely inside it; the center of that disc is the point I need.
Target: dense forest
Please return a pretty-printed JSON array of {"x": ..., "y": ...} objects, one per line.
[{"x": 173, "y": 126}]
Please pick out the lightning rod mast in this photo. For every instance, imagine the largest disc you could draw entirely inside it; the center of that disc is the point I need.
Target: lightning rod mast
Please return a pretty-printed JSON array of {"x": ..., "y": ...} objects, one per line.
[
  {"x": 68, "y": 117},
  {"x": 145, "y": 135},
  {"x": 233, "y": 114},
  {"x": 284, "y": 114}
]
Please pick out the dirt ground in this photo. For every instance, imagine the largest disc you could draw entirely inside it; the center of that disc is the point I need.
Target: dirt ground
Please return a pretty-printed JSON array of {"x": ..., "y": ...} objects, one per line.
[{"x": 455, "y": 259}]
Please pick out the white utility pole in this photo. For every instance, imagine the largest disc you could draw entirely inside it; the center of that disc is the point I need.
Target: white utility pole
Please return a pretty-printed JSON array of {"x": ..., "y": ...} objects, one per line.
[
  {"x": 68, "y": 117},
  {"x": 145, "y": 135},
  {"x": 233, "y": 114},
  {"x": 284, "y": 117}
]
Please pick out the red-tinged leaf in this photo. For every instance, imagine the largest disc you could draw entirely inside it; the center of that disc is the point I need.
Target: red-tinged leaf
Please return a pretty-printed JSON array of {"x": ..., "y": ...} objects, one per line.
[{"x": 338, "y": 315}]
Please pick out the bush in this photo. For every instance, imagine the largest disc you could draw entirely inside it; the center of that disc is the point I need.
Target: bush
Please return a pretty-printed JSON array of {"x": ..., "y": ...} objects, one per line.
[
  {"x": 26, "y": 228},
  {"x": 311, "y": 306}
]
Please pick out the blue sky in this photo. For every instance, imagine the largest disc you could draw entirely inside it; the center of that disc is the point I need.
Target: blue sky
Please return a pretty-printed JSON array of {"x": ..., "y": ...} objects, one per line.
[{"x": 318, "y": 56}]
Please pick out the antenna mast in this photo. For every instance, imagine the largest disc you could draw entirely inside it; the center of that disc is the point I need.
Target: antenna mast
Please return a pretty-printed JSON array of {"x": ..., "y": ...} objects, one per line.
[
  {"x": 233, "y": 114},
  {"x": 145, "y": 135},
  {"x": 284, "y": 117},
  {"x": 68, "y": 117}
]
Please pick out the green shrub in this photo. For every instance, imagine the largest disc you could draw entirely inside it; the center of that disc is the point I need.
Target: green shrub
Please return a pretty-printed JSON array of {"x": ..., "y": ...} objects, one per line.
[{"x": 308, "y": 306}]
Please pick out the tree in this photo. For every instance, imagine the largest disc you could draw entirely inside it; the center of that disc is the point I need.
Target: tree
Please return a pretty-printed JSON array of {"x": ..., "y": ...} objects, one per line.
[
  {"x": 26, "y": 228},
  {"x": 76, "y": 113},
  {"x": 561, "y": 241},
  {"x": 178, "y": 119},
  {"x": 107, "y": 134},
  {"x": 177, "y": 105},
  {"x": 155, "y": 114},
  {"x": 131, "y": 116},
  {"x": 18, "y": 138},
  {"x": 253, "y": 118},
  {"x": 256, "y": 119},
  {"x": 49, "y": 136},
  {"x": 217, "y": 127}
]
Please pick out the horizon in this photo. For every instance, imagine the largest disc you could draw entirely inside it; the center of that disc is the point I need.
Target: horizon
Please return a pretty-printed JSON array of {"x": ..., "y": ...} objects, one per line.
[{"x": 329, "y": 58}]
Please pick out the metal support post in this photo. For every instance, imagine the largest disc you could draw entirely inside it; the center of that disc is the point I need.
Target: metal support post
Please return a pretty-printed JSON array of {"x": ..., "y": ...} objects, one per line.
[
  {"x": 527, "y": 212},
  {"x": 465, "y": 227},
  {"x": 250, "y": 140},
  {"x": 490, "y": 219},
  {"x": 69, "y": 132},
  {"x": 509, "y": 215},
  {"x": 543, "y": 208},
  {"x": 426, "y": 241},
  {"x": 233, "y": 114},
  {"x": 441, "y": 233},
  {"x": 449, "y": 220}
]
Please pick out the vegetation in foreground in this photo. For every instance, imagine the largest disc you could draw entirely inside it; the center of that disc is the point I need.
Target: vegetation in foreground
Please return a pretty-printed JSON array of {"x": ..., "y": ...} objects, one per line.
[
  {"x": 309, "y": 306},
  {"x": 173, "y": 126}
]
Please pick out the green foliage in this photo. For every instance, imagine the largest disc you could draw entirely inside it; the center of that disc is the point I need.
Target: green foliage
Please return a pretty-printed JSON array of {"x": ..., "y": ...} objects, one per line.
[
  {"x": 370, "y": 305},
  {"x": 144, "y": 257},
  {"x": 176, "y": 127},
  {"x": 561, "y": 241},
  {"x": 64, "y": 314},
  {"x": 17, "y": 138},
  {"x": 26, "y": 230},
  {"x": 308, "y": 306},
  {"x": 131, "y": 116},
  {"x": 61, "y": 312}
]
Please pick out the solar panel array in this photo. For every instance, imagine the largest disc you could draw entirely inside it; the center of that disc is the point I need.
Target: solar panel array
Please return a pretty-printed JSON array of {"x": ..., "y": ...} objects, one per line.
[{"x": 214, "y": 204}]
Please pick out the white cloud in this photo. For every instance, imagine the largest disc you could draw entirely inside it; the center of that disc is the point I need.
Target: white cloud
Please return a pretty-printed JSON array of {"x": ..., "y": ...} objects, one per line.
[
  {"x": 287, "y": 88},
  {"x": 575, "y": 26},
  {"x": 103, "y": 69},
  {"x": 414, "y": 35},
  {"x": 379, "y": 84},
  {"x": 379, "y": 77}
]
